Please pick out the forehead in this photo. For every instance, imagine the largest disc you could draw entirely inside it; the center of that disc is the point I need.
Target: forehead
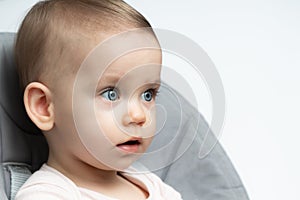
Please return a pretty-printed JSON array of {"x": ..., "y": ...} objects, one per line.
[
  {"x": 138, "y": 67},
  {"x": 143, "y": 59},
  {"x": 134, "y": 54}
]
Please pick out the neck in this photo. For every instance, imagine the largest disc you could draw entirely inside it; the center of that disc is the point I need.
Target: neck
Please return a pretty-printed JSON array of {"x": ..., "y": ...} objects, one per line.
[{"x": 83, "y": 174}]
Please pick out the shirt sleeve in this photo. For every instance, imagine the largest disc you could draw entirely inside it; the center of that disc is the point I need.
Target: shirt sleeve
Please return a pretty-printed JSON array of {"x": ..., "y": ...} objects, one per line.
[{"x": 46, "y": 191}]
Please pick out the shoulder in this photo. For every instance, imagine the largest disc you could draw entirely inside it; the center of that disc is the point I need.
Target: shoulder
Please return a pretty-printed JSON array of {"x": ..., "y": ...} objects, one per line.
[
  {"x": 155, "y": 186},
  {"x": 47, "y": 183},
  {"x": 165, "y": 190}
]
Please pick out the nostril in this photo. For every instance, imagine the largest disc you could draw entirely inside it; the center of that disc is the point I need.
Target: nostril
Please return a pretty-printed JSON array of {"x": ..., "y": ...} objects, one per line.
[{"x": 141, "y": 123}]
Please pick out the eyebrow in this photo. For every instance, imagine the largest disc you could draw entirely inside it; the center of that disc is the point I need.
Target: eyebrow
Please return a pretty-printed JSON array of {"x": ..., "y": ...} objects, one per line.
[{"x": 113, "y": 77}]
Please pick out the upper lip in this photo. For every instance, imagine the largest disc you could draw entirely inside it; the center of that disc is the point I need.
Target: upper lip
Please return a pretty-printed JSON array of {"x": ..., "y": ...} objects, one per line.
[{"x": 133, "y": 140}]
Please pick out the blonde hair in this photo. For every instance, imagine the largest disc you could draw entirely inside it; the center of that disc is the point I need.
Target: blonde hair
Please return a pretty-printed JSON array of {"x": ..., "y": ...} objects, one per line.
[{"x": 44, "y": 37}]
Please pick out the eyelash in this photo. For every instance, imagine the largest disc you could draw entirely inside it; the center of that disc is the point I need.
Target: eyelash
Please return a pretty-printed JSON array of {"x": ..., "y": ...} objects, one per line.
[
  {"x": 107, "y": 90},
  {"x": 154, "y": 92}
]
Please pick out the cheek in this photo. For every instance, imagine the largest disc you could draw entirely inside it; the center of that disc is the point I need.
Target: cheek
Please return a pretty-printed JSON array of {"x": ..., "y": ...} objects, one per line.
[
  {"x": 63, "y": 115},
  {"x": 105, "y": 120},
  {"x": 151, "y": 120},
  {"x": 107, "y": 123}
]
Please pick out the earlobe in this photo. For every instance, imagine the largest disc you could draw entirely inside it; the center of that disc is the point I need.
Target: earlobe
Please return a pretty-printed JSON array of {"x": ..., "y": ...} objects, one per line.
[{"x": 39, "y": 105}]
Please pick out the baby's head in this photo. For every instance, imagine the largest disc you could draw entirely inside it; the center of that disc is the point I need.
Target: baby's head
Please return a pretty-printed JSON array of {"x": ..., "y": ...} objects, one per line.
[
  {"x": 56, "y": 34},
  {"x": 54, "y": 44}
]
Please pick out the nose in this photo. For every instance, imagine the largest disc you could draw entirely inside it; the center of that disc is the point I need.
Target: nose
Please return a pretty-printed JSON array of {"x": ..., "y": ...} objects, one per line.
[{"x": 136, "y": 114}]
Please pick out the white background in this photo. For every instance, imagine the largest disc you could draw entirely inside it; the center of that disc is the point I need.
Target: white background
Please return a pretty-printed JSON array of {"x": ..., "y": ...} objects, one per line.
[{"x": 255, "y": 46}]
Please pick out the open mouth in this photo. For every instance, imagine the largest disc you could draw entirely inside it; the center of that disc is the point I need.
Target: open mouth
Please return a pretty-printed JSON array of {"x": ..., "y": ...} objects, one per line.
[{"x": 131, "y": 146}]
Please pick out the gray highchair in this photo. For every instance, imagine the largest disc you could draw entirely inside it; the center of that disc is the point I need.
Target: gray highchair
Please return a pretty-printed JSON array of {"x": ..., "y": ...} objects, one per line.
[{"x": 23, "y": 148}]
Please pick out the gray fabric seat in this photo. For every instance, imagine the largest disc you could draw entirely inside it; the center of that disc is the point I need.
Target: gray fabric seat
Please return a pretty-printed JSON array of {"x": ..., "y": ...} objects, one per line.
[
  {"x": 21, "y": 143},
  {"x": 23, "y": 148}
]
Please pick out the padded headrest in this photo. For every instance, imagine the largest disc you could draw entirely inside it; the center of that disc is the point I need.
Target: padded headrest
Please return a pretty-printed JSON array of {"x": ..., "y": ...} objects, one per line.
[
  {"x": 18, "y": 133},
  {"x": 11, "y": 98}
]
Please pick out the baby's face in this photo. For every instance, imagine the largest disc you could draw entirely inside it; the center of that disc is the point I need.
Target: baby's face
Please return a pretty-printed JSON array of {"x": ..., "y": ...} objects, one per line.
[
  {"x": 112, "y": 117},
  {"x": 125, "y": 100}
]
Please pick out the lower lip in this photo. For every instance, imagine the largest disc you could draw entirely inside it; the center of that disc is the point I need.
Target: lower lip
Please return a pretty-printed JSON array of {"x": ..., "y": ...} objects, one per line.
[{"x": 129, "y": 148}]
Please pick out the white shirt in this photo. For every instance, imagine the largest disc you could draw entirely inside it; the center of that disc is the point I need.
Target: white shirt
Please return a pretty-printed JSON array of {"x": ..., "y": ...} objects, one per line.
[{"x": 49, "y": 184}]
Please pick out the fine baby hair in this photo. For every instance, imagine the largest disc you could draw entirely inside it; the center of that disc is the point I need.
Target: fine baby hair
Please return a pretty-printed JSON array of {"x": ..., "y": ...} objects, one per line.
[{"x": 52, "y": 28}]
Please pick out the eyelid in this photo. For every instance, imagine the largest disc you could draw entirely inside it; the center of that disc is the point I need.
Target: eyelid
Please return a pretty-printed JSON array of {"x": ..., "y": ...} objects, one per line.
[
  {"x": 105, "y": 94},
  {"x": 154, "y": 88},
  {"x": 108, "y": 88},
  {"x": 155, "y": 92}
]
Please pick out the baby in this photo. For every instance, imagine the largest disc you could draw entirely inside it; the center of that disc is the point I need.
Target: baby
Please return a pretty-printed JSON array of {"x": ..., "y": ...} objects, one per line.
[{"x": 90, "y": 70}]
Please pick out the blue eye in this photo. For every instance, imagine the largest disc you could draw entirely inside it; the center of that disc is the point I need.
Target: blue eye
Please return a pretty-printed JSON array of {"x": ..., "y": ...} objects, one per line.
[
  {"x": 110, "y": 94},
  {"x": 148, "y": 95}
]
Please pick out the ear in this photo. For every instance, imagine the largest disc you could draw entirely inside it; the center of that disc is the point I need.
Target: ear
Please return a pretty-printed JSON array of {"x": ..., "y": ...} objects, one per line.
[{"x": 39, "y": 105}]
